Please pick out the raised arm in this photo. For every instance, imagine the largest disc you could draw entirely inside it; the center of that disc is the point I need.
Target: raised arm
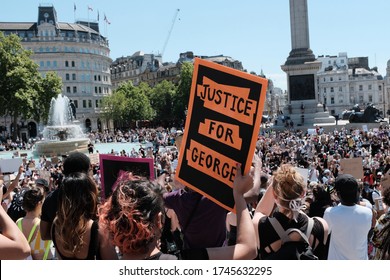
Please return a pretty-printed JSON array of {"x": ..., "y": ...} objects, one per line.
[
  {"x": 264, "y": 208},
  {"x": 13, "y": 244},
  {"x": 245, "y": 248},
  {"x": 15, "y": 182}
]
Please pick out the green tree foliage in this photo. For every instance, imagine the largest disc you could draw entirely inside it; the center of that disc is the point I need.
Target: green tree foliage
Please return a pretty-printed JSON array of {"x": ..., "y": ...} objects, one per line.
[
  {"x": 161, "y": 100},
  {"x": 128, "y": 103},
  {"x": 50, "y": 86},
  {"x": 21, "y": 85},
  {"x": 183, "y": 91}
]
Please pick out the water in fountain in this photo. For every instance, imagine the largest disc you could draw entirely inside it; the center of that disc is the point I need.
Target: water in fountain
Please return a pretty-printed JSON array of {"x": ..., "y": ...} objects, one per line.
[{"x": 63, "y": 133}]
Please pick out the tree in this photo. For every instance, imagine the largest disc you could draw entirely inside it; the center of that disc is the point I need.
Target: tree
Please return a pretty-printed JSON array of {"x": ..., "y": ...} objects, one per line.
[
  {"x": 114, "y": 106},
  {"x": 161, "y": 100},
  {"x": 23, "y": 92},
  {"x": 183, "y": 90},
  {"x": 50, "y": 87},
  {"x": 128, "y": 103}
]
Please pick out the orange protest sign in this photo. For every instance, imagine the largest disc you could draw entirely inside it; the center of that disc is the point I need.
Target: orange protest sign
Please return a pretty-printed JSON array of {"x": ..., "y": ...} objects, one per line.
[{"x": 222, "y": 127}]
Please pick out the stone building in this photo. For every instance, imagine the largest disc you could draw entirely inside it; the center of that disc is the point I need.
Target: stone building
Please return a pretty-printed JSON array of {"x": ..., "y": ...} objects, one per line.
[
  {"x": 77, "y": 52},
  {"x": 149, "y": 68},
  {"x": 344, "y": 82}
]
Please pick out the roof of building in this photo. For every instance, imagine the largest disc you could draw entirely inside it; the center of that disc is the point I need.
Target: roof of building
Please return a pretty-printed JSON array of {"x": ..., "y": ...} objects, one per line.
[{"x": 17, "y": 25}]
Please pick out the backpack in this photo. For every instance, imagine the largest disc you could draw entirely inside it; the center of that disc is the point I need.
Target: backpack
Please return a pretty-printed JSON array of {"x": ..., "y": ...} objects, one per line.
[
  {"x": 367, "y": 194},
  {"x": 290, "y": 249},
  {"x": 16, "y": 211}
]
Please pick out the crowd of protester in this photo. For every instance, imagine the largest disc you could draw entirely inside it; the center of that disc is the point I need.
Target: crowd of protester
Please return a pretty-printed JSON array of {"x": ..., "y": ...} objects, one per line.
[{"x": 166, "y": 220}]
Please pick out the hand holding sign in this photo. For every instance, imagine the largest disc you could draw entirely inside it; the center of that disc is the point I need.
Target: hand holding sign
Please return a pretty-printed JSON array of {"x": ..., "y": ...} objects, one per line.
[
  {"x": 242, "y": 183},
  {"x": 222, "y": 125}
]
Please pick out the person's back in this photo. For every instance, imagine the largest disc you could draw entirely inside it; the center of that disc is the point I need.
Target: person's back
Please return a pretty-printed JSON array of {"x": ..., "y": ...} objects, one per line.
[
  {"x": 202, "y": 221},
  {"x": 75, "y": 231},
  {"x": 348, "y": 222},
  {"x": 29, "y": 225},
  {"x": 75, "y": 162}
]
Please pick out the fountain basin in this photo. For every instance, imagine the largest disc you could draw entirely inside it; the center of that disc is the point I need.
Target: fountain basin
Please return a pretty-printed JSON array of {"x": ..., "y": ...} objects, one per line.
[{"x": 56, "y": 147}]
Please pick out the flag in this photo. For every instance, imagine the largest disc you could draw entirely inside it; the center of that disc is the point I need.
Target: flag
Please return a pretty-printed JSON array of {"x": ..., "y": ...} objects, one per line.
[
  {"x": 90, "y": 8},
  {"x": 106, "y": 20},
  {"x": 98, "y": 16},
  {"x": 74, "y": 7}
]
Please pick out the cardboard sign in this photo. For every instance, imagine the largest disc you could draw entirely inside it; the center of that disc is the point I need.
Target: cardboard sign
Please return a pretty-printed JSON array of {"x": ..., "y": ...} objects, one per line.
[
  {"x": 110, "y": 166},
  {"x": 353, "y": 166},
  {"x": 94, "y": 158},
  {"x": 10, "y": 165},
  {"x": 304, "y": 172},
  {"x": 222, "y": 126},
  {"x": 54, "y": 160},
  {"x": 45, "y": 174}
]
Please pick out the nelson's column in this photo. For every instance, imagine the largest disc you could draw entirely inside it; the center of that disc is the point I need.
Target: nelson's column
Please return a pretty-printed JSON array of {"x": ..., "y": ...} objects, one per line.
[{"x": 301, "y": 68}]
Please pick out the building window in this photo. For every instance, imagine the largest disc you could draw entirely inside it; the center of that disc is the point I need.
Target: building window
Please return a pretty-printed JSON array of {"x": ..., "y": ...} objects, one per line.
[
  {"x": 48, "y": 64},
  {"x": 370, "y": 98},
  {"x": 340, "y": 89},
  {"x": 369, "y": 87},
  {"x": 379, "y": 87},
  {"x": 332, "y": 100},
  {"x": 66, "y": 63},
  {"x": 76, "y": 103},
  {"x": 67, "y": 76},
  {"x": 41, "y": 64},
  {"x": 97, "y": 103},
  {"x": 96, "y": 90},
  {"x": 73, "y": 64},
  {"x": 89, "y": 103},
  {"x": 74, "y": 89},
  {"x": 361, "y": 99},
  {"x": 74, "y": 77},
  {"x": 351, "y": 89},
  {"x": 55, "y": 64},
  {"x": 360, "y": 87},
  {"x": 84, "y": 103},
  {"x": 100, "y": 89},
  {"x": 68, "y": 90},
  {"x": 331, "y": 79},
  {"x": 331, "y": 89}
]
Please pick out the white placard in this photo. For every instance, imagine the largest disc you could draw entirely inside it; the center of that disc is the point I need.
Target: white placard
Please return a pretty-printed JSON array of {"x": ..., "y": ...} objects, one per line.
[{"x": 10, "y": 165}]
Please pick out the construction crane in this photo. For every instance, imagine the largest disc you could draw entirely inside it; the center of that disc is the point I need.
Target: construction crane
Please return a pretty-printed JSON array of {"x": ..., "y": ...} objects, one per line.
[{"x": 170, "y": 31}]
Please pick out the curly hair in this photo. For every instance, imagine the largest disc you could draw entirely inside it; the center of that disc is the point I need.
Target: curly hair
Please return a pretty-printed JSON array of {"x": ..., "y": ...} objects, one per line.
[
  {"x": 32, "y": 197},
  {"x": 129, "y": 215},
  {"x": 386, "y": 195},
  {"x": 78, "y": 200},
  {"x": 289, "y": 186},
  {"x": 384, "y": 235}
]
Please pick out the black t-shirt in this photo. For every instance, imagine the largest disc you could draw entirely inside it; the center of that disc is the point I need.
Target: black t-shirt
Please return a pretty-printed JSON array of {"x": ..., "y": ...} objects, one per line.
[
  {"x": 50, "y": 207},
  {"x": 268, "y": 235},
  {"x": 16, "y": 211}
]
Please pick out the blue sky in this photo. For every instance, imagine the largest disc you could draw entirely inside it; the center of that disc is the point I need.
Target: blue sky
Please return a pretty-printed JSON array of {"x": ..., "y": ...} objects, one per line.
[{"x": 256, "y": 32}]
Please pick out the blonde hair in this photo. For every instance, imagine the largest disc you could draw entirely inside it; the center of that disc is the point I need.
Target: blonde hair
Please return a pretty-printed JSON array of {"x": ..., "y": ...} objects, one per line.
[{"x": 290, "y": 188}]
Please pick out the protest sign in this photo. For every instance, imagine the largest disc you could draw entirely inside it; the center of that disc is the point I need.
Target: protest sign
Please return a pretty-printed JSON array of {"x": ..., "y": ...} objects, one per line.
[
  {"x": 353, "y": 166},
  {"x": 10, "y": 165},
  {"x": 304, "y": 172},
  {"x": 110, "y": 166},
  {"x": 94, "y": 158},
  {"x": 222, "y": 126},
  {"x": 312, "y": 131}
]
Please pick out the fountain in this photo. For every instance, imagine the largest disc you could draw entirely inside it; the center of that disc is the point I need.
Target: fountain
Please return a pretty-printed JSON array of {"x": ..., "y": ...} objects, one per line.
[{"x": 63, "y": 133}]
